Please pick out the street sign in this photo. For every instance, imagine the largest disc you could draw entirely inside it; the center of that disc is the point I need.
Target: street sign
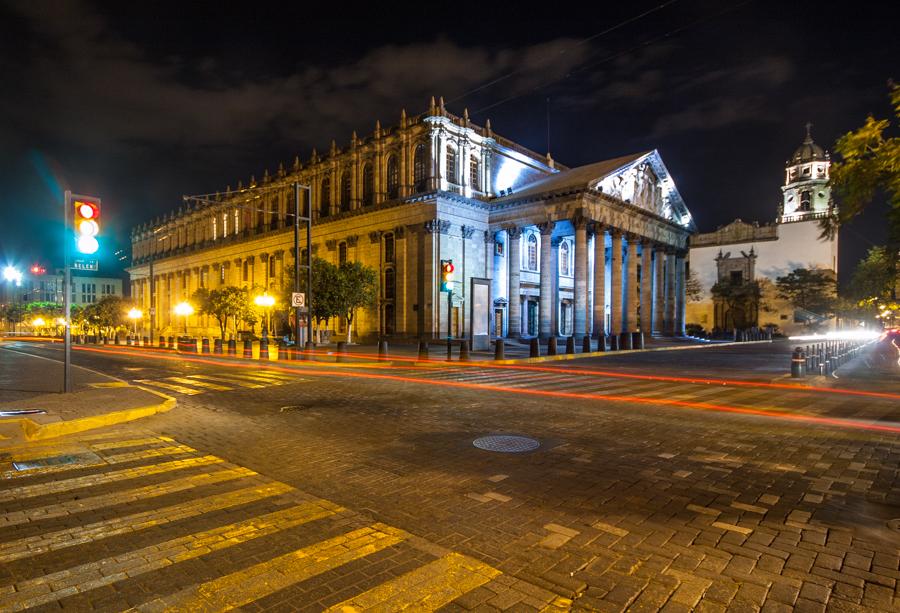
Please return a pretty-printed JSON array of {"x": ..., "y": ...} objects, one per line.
[
  {"x": 298, "y": 299},
  {"x": 153, "y": 310},
  {"x": 85, "y": 265}
]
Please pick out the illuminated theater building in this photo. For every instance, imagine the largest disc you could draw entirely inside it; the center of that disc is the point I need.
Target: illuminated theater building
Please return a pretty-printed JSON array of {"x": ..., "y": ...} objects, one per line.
[{"x": 539, "y": 249}]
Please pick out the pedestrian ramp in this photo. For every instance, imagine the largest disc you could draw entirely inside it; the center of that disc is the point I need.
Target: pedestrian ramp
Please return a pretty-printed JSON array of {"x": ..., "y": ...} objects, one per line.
[
  {"x": 192, "y": 385},
  {"x": 145, "y": 523}
]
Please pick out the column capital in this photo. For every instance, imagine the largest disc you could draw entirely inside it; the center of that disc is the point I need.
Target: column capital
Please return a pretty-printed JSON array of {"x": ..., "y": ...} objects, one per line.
[
  {"x": 615, "y": 232},
  {"x": 375, "y": 236},
  {"x": 647, "y": 242},
  {"x": 514, "y": 231},
  {"x": 400, "y": 232},
  {"x": 489, "y": 237},
  {"x": 467, "y": 231},
  {"x": 596, "y": 227},
  {"x": 351, "y": 241},
  {"x": 331, "y": 244},
  {"x": 546, "y": 227},
  {"x": 579, "y": 221},
  {"x": 437, "y": 226}
]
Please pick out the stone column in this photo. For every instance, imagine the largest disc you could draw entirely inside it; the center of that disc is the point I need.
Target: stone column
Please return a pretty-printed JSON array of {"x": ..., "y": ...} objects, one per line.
[
  {"x": 669, "y": 325},
  {"x": 554, "y": 286},
  {"x": 659, "y": 289},
  {"x": 615, "y": 303},
  {"x": 630, "y": 322},
  {"x": 514, "y": 316},
  {"x": 599, "y": 311},
  {"x": 580, "y": 288},
  {"x": 547, "y": 272},
  {"x": 646, "y": 287},
  {"x": 679, "y": 293}
]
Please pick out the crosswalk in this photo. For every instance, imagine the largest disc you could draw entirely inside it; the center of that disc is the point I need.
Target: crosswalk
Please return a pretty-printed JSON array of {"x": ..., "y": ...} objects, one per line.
[
  {"x": 191, "y": 385},
  {"x": 144, "y": 523}
]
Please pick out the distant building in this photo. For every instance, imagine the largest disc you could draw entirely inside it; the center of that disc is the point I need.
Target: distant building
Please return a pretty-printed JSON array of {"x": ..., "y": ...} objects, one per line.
[
  {"x": 48, "y": 287},
  {"x": 742, "y": 251}
]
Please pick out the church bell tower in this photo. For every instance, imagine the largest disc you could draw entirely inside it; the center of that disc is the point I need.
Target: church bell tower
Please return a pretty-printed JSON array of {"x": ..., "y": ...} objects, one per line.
[{"x": 806, "y": 194}]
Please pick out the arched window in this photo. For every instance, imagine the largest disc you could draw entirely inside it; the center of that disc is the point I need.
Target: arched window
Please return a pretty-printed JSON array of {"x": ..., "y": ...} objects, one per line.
[
  {"x": 564, "y": 268},
  {"x": 805, "y": 201},
  {"x": 271, "y": 267},
  {"x": 451, "y": 165},
  {"x": 368, "y": 195},
  {"x": 532, "y": 251},
  {"x": 389, "y": 247},
  {"x": 389, "y": 284},
  {"x": 342, "y": 254},
  {"x": 273, "y": 215},
  {"x": 473, "y": 173},
  {"x": 393, "y": 177},
  {"x": 345, "y": 191},
  {"x": 325, "y": 198},
  {"x": 420, "y": 167},
  {"x": 260, "y": 218}
]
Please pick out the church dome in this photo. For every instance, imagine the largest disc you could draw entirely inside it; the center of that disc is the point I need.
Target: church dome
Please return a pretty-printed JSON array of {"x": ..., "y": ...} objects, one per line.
[{"x": 808, "y": 151}]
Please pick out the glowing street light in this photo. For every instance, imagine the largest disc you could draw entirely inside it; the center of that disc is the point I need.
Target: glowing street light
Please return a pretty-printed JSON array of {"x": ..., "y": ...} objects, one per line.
[
  {"x": 134, "y": 315},
  {"x": 38, "y": 322},
  {"x": 267, "y": 302},
  {"x": 186, "y": 310},
  {"x": 13, "y": 275}
]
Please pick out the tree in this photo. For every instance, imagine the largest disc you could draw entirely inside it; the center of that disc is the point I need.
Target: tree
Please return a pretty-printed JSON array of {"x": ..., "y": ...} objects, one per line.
[
  {"x": 869, "y": 164},
  {"x": 693, "y": 289},
  {"x": 223, "y": 303},
  {"x": 325, "y": 284},
  {"x": 811, "y": 289},
  {"x": 740, "y": 301},
  {"x": 107, "y": 314},
  {"x": 873, "y": 286},
  {"x": 357, "y": 288}
]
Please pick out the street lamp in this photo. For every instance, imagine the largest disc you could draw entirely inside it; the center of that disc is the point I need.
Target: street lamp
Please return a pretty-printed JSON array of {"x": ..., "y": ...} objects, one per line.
[
  {"x": 185, "y": 309},
  {"x": 38, "y": 322},
  {"x": 134, "y": 315},
  {"x": 267, "y": 302},
  {"x": 13, "y": 275}
]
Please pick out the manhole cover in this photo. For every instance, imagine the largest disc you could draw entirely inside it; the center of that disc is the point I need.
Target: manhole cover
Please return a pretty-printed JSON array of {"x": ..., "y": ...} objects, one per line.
[
  {"x": 79, "y": 458},
  {"x": 505, "y": 443}
]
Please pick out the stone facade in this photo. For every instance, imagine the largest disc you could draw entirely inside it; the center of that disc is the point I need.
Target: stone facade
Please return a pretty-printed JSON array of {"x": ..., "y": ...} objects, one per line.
[{"x": 438, "y": 187}]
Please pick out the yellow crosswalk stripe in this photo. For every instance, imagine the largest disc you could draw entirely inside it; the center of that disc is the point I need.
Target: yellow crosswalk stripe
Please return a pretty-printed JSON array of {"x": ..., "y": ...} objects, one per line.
[
  {"x": 55, "y": 487},
  {"x": 135, "y": 442},
  {"x": 100, "y": 501},
  {"x": 260, "y": 580},
  {"x": 227, "y": 379},
  {"x": 85, "y": 577},
  {"x": 119, "y": 458},
  {"x": 204, "y": 384},
  {"x": 425, "y": 589},
  {"x": 170, "y": 386},
  {"x": 267, "y": 376},
  {"x": 70, "y": 537}
]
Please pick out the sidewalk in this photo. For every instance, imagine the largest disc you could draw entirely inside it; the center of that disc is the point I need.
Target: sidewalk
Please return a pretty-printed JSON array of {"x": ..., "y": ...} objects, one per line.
[{"x": 32, "y": 383}]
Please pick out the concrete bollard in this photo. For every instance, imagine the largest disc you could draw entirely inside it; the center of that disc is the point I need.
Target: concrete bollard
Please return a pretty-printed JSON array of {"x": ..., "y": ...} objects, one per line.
[
  {"x": 464, "y": 351},
  {"x": 570, "y": 345},
  {"x": 204, "y": 345},
  {"x": 382, "y": 349},
  {"x": 162, "y": 342},
  {"x": 248, "y": 348},
  {"x": 232, "y": 347},
  {"x": 340, "y": 351},
  {"x": 217, "y": 346},
  {"x": 625, "y": 341},
  {"x": 145, "y": 342},
  {"x": 551, "y": 345},
  {"x": 171, "y": 342},
  {"x": 423, "y": 350},
  {"x": 535, "y": 349},
  {"x": 309, "y": 349},
  {"x": 613, "y": 342},
  {"x": 637, "y": 340},
  {"x": 498, "y": 349},
  {"x": 798, "y": 363},
  {"x": 601, "y": 342},
  {"x": 282, "y": 352},
  {"x": 586, "y": 344}
]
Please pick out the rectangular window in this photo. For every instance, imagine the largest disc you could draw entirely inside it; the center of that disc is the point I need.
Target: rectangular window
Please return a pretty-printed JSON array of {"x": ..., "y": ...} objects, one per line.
[
  {"x": 214, "y": 232},
  {"x": 389, "y": 248},
  {"x": 342, "y": 254},
  {"x": 224, "y": 225},
  {"x": 246, "y": 274},
  {"x": 737, "y": 276},
  {"x": 222, "y": 273},
  {"x": 237, "y": 222},
  {"x": 473, "y": 173}
]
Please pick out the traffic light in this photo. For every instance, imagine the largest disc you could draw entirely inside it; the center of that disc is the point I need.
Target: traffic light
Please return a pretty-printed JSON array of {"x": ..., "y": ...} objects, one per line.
[
  {"x": 447, "y": 269},
  {"x": 87, "y": 226}
]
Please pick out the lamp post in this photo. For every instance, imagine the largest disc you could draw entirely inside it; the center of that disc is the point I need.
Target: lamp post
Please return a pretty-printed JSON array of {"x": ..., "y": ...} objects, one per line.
[
  {"x": 266, "y": 302},
  {"x": 134, "y": 315},
  {"x": 186, "y": 310}
]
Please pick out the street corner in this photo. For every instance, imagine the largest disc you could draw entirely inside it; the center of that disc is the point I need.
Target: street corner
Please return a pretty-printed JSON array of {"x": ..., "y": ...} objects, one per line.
[{"x": 98, "y": 406}]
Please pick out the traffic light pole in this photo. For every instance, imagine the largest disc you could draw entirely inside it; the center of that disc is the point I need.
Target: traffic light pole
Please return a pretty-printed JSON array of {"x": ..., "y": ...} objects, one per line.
[
  {"x": 449, "y": 324},
  {"x": 67, "y": 296},
  {"x": 308, "y": 265}
]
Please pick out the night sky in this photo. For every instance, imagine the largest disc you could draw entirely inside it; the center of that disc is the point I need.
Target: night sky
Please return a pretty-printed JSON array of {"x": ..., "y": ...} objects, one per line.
[{"x": 143, "y": 107}]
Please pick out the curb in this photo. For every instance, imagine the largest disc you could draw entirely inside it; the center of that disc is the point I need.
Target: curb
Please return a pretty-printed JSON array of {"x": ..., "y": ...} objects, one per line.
[
  {"x": 599, "y": 354},
  {"x": 33, "y": 431}
]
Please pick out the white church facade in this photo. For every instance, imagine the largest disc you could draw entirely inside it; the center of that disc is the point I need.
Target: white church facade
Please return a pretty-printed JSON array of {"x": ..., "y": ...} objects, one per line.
[
  {"x": 539, "y": 249},
  {"x": 742, "y": 251}
]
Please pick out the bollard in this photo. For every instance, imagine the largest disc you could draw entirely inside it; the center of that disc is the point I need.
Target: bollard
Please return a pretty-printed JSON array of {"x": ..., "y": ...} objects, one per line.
[
  {"x": 282, "y": 352},
  {"x": 613, "y": 342},
  {"x": 268, "y": 353},
  {"x": 217, "y": 346},
  {"x": 341, "y": 349},
  {"x": 464, "y": 351},
  {"x": 821, "y": 368},
  {"x": 535, "y": 349},
  {"x": 308, "y": 349},
  {"x": 248, "y": 348},
  {"x": 382, "y": 349},
  {"x": 601, "y": 342},
  {"x": 551, "y": 345},
  {"x": 264, "y": 347},
  {"x": 637, "y": 340},
  {"x": 172, "y": 342},
  {"x": 498, "y": 349},
  {"x": 204, "y": 345},
  {"x": 145, "y": 342},
  {"x": 625, "y": 340},
  {"x": 162, "y": 342},
  {"x": 423, "y": 350},
  {"x": 570, "y": 345},
  {"x": 586, "y": 344},
  {"x": 232, "y": 346},
  {"x": 449, "y": 350},
  {"x": 798, "y": 363}
]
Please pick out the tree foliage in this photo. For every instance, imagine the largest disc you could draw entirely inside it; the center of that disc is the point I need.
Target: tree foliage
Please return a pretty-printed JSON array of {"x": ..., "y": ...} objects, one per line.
[
  {"x": 357, "y": 288},
  {"x": 693, "y": 289},
  {"x": 874, "y": 277},
  {"x": 223, "y": 304},
  {"x": 324, "y": 304},
  {"x": 105, "y": 315},
  {"x": 811, "y": 289},
  {"x": 869, "y": 164},
  {"x": 741, "y": 298}
]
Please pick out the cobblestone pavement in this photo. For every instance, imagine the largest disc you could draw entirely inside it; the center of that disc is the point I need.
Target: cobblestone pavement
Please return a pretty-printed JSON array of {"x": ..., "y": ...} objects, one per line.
[{"x": 643, "y": 494}]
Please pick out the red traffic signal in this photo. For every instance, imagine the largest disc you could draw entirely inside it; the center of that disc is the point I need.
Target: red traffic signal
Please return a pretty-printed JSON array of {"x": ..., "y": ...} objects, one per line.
[
  {"x": 37, "y": 269},
  {"x": 447, "y": 269},
  {"x": 87, "y": 226}
]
